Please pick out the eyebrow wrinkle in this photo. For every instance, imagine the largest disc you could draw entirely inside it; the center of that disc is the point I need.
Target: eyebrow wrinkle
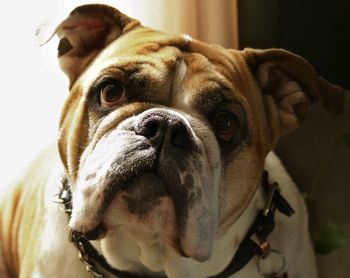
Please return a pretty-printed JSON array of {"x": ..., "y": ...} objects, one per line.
[{"x": 179, "y": 75}]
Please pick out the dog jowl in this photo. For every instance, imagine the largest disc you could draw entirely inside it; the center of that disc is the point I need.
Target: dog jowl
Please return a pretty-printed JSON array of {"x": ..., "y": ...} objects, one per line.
[{"x": 163, "y": 141}]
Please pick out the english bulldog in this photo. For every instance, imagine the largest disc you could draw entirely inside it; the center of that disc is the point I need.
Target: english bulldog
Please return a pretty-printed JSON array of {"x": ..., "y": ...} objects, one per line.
[{"x": 164, "y": 165}]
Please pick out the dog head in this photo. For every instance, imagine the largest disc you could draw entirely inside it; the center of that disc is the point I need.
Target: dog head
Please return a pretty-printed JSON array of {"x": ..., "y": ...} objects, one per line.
[{"x": 166, "y": 135}]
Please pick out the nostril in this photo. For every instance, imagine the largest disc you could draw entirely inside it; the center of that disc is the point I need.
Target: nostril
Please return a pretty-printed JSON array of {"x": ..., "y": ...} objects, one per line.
[
  {"x": 150, "y": 130},
  {"x": 163, "y": 127},
  {"x": 180, "y": 137},
  {"x": 148, "y": 127}
]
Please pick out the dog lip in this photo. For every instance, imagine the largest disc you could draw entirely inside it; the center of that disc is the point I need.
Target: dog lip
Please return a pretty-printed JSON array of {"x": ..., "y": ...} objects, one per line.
[
  {"x": 182, "y": 252},
  {"x": 94, "y": 234},
  {"x": 94, "y": 228},
  {"x": 99, "y": 230}
]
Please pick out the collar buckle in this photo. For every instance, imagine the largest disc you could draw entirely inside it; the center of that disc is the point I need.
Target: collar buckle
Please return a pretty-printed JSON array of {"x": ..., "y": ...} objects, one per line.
[
  {"x": 263, "y": 245},
  {"x": 270, "y": 205}
]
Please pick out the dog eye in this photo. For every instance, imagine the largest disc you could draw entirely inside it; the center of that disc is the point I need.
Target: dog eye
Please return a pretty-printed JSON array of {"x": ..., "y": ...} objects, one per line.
[
  {"x": 226, "y": 125},
  {"x": 112, "y": 93}
]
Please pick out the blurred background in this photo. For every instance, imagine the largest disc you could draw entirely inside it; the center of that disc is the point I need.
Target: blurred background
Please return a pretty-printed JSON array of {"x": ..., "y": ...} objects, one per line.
[{"x": 317, "y": 155}]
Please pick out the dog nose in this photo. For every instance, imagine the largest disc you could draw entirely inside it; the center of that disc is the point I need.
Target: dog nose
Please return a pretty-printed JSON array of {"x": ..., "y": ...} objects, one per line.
[{"x": 163, "y": 127}]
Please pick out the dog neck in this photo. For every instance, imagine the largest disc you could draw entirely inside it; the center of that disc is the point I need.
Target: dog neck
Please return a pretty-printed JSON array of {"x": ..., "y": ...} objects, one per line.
[{"x": 249, "y": 240}]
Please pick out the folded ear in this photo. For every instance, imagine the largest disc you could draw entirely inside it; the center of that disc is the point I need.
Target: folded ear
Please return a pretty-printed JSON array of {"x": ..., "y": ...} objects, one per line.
[
  {"x": 85, "y": 32},
  {"x": 289, "y": 85}
]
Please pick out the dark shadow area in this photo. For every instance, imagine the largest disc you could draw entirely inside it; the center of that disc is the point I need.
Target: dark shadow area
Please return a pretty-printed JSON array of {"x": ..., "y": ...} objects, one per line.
[{"x": 317, "y": 155}]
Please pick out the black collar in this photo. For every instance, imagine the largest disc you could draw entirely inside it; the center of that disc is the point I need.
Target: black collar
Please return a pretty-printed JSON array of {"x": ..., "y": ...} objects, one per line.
[{"x": 253, "y": 244}]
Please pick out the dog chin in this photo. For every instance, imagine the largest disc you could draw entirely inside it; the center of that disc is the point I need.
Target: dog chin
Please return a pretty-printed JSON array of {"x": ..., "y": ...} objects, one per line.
[
  {"x": 143, "y": 201},
  {"x": 143, "y": 209},
  {"x": 146, "y": 210}
]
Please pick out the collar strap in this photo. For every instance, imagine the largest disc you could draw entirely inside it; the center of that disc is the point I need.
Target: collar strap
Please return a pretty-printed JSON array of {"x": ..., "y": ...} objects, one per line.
[
  {"x": 253, "y": 244},
  {"x": 87, "y": 253}
]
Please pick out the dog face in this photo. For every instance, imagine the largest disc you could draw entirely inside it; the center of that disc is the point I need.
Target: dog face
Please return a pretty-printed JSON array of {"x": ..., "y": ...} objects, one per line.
[{"x": 166, "y": 136}]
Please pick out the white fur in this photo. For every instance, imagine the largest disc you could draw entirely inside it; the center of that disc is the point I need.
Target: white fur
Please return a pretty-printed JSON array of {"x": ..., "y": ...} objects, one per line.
[
  {"x": 187, "y": 37},
  {"x": 58, "y": 257}
]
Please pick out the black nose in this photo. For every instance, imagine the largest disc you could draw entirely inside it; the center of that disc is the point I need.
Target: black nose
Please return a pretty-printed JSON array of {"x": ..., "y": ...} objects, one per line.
[{"x": 164, "y": 127}]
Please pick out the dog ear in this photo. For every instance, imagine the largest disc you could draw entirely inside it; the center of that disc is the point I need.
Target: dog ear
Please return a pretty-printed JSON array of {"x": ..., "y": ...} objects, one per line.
[
  {"x": 85, "y": 32},
  {"x": 289, "y": 85}
]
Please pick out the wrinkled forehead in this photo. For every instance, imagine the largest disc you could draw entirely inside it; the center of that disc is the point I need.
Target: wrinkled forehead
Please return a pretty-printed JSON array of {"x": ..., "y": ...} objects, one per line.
[
  {"x": 143, "y": 45},
  {"x": 168, "y": 62}
]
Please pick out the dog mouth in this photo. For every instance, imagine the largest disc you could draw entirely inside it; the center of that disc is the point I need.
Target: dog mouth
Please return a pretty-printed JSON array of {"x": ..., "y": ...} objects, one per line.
[
  {"x": 102, "y": 175},
  {"x": 173, "y": 192}
]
